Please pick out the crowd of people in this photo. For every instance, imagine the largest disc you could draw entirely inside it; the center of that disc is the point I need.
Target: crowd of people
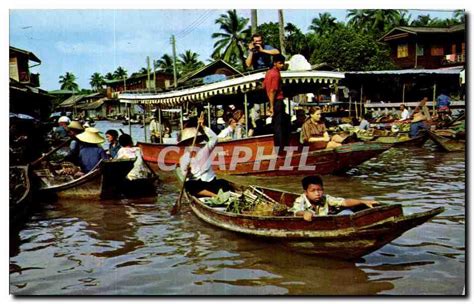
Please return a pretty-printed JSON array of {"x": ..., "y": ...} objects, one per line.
[{"x": 85, "y": 149}]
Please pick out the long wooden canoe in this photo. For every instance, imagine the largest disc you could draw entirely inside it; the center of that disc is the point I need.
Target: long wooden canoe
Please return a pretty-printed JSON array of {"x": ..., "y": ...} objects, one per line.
[
  {"x": 106, "y": 180},
  {"x": 338, "y": 236},
  {"x": 448, "y": 144},
  {"x": 230, "y": 158},
  {"x": 20, "y": 192}
]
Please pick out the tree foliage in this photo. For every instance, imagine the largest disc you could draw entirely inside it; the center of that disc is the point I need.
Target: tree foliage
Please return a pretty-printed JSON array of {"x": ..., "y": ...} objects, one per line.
[
  {"x": 232, "y": 38},
  {"x": 96, "y": 81},
  {"x": 350, "y": 50},
  {"x": 68, "y": 82}
]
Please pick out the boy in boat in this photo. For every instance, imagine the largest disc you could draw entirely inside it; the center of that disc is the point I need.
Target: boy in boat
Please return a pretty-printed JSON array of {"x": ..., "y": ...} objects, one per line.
[
  {"x": 201, "y": 180},
  {"x": 313, "y": 202}
]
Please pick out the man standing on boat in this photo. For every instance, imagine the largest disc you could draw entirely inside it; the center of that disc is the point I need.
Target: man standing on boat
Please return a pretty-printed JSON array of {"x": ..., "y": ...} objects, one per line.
[
  {"x": 260, "y": 54},
  {"x": 280, "y": 119},
  {"x": 202, "y": 180}
]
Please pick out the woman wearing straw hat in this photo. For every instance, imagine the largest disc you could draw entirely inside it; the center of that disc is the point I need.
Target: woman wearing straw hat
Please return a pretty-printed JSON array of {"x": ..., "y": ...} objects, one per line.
[
  {"x": 91, "y": 153},
  {"x": 418, "y": 125}
]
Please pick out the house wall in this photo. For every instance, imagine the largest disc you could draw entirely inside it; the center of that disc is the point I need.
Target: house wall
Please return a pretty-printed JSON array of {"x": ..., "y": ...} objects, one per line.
[{"x": 453, "y": 43}]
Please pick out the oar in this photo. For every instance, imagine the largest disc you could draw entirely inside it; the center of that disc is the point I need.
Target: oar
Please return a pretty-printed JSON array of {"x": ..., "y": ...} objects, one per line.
[
  {"x": 50, "y": 152},
  {"x": 177, "y": 205}
]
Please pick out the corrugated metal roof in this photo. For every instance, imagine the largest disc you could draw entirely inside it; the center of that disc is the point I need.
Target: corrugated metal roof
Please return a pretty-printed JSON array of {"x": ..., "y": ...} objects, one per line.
[
  {"x": 418, "y": 30},
  {"x": 226, "y": 87},
  {"x": 447, "y": 71},
  {"x": 30, "y": 55},
  {"x": 71, "y": 101},
  {"x": 92, "y": 105}
]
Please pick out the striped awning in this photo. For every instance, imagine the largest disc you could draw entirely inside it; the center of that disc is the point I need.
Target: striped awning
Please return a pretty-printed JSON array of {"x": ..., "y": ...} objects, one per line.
[{"x": 226, "y": 87}]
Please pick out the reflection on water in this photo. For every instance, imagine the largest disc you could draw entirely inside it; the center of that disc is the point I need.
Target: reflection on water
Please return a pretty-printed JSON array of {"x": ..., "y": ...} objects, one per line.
[{"x": 134, "y": 247}]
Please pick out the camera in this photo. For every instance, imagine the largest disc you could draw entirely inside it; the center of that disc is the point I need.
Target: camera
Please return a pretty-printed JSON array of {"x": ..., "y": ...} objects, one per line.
[{"x": 256, "y": 48}]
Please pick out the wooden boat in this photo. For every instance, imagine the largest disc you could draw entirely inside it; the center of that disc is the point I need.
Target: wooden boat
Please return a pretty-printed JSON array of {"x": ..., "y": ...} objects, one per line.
[
  {"x": 20, "y": 192},
  {"x": 403, "y": 141},
  {"x": 338, "y": 236},
  {"x": 106, "y": 180},
  {"x": 314, "y": 159},
  {"x": 448, "y": 144}
]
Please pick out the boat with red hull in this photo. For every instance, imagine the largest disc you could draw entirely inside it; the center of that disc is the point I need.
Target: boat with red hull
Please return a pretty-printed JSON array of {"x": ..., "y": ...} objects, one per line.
[{"x": 253, "y": 156}]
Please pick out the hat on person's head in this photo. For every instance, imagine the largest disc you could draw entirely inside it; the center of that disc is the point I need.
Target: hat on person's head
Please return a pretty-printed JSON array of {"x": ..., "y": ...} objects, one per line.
[
  {"x": 64, "y": 119},
  {"x": 418, "y": 117},
  {"x": 220, "y": 121},
  {"x": 91, "y": 136},
  {"x": 187, "y": 137},
  {"x": 75, "y": 125}
]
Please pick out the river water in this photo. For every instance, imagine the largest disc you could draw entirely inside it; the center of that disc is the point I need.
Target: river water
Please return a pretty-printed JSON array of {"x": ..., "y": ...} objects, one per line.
[{"x": 135, "y": 247}]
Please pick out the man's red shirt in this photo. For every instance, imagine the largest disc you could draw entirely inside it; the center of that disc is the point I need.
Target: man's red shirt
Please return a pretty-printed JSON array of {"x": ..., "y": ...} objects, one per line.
[{"x": 272, "y": 82}]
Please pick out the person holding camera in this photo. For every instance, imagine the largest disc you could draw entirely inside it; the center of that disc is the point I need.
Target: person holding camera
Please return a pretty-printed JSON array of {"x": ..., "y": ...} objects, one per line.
[{"x": 260, "y": 54}]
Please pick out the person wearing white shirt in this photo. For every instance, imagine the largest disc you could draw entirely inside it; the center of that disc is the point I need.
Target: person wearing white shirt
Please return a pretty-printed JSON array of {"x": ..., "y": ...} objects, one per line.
[
  {"x": 405, "y": 115},
  {"x": 201, "y": 180}
]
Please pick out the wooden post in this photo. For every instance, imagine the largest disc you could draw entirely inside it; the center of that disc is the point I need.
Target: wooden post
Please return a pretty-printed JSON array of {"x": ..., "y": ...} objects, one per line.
[
  {"x": 144, "y": 121},
  {"x": 181, "y": 118},
  {"x": 246, "y": 115},
  {"x": 130, "y": 119},
  {"x": 159, "y": 121},
  {"x": 253, "y": 20},
  {"x": 350, "y": 105},
  {"x": 434, "y": 98},
  {"x": 403, "y": 94},
  {"x": 361, "y": 99},
  {"x": 208, "y": 114}
]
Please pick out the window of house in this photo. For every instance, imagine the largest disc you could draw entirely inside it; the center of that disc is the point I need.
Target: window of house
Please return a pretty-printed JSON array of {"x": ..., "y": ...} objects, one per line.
[
  {"x": 420, "y": 50},
  {"x": 437, "y": 50},
  {"x": 402, "y": 50}
]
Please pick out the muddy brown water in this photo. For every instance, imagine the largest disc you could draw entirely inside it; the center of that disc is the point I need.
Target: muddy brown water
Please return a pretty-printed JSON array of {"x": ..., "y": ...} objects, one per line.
[{"x": 134, "y": 247}]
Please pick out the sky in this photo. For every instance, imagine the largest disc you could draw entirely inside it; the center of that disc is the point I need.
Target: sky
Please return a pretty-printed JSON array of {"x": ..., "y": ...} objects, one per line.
[{"x": 85, "y": 41}]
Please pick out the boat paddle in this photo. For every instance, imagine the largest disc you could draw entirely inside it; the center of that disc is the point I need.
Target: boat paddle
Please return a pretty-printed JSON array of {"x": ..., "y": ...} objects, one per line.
[
  {"x": 64, "y": 143},
  {"x": 177, "y": 205}
]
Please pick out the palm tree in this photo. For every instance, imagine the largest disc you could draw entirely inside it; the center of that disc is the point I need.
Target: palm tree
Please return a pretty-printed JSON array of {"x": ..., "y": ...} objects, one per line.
[
  {"x": 422, "y": 20},
  {"x": 460, "y": 15},
  {"x": 374, "y": 21},
  {"x": 120, "y": 73},
  {"x": 96, "y": 81},
  {"x": 165, "y": 64},
  {"x": 324, "y": 24},
  {"x": 67, "y": 82},
  {"x": 233, "y": 38},
  {"x": 109, "y": 76},
  {"x": 189, "y": 61},
  {"x": 295, "y": 40}
]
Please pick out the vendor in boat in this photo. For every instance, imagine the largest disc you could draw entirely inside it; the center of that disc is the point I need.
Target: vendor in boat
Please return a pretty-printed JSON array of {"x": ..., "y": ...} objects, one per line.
[
  {"x": 91, "y": 152},
  {"x": 114, "y": 146},
  {"x": 313, "y": 202},
  {"x": 418, "y": 125},
  {"x": 314, "y": 130},
  {"x": 404, "y": 114},
  {"x": 201, "y": 180},
  {"x": 74, "y": 128},
  {"x": 128, "y": 151},
  {"x": 364, "y": 123},
  {"x": 60, "y": 131}
]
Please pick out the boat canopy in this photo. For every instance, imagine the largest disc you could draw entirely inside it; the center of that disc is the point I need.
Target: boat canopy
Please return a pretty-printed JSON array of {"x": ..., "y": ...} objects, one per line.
[{"x": 237, "y": 85}]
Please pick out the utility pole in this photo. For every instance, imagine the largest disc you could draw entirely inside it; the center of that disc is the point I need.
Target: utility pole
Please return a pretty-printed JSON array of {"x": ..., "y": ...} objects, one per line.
[
  {"x": 148, "y": 84},
  {"x": 282, "y": 31},
  {"x": 253, "y": 20},
  {"x": 173, "y": 43}
]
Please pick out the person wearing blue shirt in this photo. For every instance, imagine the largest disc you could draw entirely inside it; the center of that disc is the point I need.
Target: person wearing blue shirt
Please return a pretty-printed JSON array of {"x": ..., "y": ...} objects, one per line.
[
  {"x": 260, "y": 54},
  {"x": 91, "y": 153},
  {"x": 443, "y": 102}
]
